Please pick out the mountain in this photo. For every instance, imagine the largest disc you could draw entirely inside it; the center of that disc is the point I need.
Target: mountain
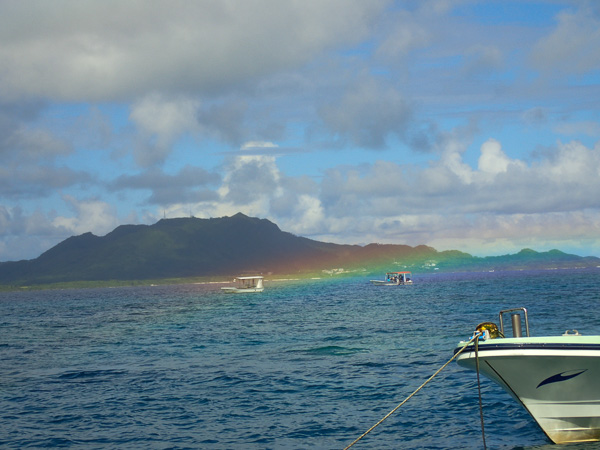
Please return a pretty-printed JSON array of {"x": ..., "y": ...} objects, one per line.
[{"x": 226, "y": 246}]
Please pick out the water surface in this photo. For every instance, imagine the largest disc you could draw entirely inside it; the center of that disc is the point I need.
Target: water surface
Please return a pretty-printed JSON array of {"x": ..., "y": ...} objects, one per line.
[{"x": 303, "y": 365}]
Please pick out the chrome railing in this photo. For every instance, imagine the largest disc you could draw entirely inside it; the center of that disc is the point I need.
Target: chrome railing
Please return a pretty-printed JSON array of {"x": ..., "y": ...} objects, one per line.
[{"x": 516, "y": 321}]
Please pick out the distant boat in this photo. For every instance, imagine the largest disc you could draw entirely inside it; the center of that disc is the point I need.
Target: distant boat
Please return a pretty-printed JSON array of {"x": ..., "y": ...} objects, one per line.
[
  {"x": 555, "y": 378},
  {"x": 245, "y": 284},
  {"x": 394, "y": 279}
]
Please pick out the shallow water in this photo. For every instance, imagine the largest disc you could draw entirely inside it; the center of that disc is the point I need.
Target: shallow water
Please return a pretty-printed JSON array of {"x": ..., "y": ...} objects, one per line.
[{"x": 303, "y": 365}]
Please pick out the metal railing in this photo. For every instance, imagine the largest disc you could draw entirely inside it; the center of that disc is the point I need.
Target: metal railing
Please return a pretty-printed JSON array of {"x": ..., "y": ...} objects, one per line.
[{"x": 516, "y": 321}]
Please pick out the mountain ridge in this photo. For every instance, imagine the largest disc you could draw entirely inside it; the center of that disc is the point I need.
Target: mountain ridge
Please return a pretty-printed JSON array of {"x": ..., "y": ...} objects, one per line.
[{"x": 225, "y": 246}]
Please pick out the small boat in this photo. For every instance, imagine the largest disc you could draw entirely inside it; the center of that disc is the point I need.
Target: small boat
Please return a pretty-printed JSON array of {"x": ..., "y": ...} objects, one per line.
[
  {"x": 394, "y": 279},
  {"x": 245, "y": 284},
  {"x": 556, "y": 379}
]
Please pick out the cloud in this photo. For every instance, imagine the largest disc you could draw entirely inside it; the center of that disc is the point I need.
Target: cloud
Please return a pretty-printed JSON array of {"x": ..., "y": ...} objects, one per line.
[
  {"x": 38, "y": 181},
  {"x": 112, "y": 50},
  {"x": 368, "y": 115},
  {"x": 480, "y": 116},
  {"x": 573, "y": 47},
  {"x": 502, "y": 200},
  {"x": 502, "y": 203},
  {"x": 536, "y": 116},
  {"x": 250, "y": 178},
  {"x": 91, "y": 215},
  {"x": 22, "y": 236},
  {"x": 26, "y": 236},
  {"x": 586, "y": 127},
  {"x": 189, "y": 185},
  {"x": 21, "y": 140},
  {"x": 407, "y": 34},
  {"x": 405, "y": 195},
  {"x": 481, "y": 59},
  {"x": 160, "y": 121},
  {"x": 493, "y": 160},
  {"x": 225, "y": 121}
]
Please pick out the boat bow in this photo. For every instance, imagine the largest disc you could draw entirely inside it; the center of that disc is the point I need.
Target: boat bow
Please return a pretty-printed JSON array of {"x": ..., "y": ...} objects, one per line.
[{"x": 555, "y": 378}]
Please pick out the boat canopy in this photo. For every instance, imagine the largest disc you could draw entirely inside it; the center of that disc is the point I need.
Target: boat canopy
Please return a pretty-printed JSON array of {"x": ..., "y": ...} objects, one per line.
[{"x": 250, "y": 282}]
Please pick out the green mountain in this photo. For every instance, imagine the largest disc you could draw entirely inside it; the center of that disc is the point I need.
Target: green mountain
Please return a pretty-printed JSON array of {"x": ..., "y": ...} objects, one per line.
[{"x": 227, "y": 246}]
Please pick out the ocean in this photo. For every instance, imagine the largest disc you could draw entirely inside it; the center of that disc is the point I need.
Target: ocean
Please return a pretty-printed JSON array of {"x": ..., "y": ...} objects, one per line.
[{"x": 307, "y": 364}]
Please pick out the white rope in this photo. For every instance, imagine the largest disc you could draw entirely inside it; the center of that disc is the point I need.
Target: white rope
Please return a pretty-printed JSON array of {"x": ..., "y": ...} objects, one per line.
[{"x": 475, "y": 336}]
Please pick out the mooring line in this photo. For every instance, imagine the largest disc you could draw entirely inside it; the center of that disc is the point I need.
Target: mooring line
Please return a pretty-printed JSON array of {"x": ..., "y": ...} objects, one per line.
[
  {"x": 475, "y": 336},
  {"x": 479, "y": 392}
]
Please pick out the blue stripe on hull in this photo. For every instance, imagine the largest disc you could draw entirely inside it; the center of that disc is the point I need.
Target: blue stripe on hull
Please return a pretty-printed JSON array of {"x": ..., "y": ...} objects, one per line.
[{"x": 530, "y": 346}]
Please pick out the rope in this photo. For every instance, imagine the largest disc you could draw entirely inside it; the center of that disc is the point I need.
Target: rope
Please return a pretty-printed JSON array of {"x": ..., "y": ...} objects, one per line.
[
  {"x": 479, "y": 392},
  {"x": 475, "y": 336}
]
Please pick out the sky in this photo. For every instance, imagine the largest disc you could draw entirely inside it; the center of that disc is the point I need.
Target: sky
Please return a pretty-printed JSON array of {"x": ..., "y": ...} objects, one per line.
[{"x": 458, "y": 124}]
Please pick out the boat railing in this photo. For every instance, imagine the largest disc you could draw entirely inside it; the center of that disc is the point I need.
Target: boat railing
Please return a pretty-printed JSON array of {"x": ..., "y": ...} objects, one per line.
[{"x": 516, "y": 321}]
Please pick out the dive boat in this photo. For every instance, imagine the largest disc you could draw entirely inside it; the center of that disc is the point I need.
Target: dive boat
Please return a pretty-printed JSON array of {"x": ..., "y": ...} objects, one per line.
[
  {"x": 394, "y": 279},
  {"x": 245, "y": 284},
  {"x": 556, "y": 379}
]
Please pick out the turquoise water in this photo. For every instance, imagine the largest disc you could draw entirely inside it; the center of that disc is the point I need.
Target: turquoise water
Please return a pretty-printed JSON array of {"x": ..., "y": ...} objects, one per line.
[{"x": 303, "y": 365}]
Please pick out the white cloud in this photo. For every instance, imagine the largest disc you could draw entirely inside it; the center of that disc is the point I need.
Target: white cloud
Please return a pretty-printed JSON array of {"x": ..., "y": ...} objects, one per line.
[
  {"x": 407, "y": 36},
  {"x": 258, "y": 145},
  {"x": 574, "y": 165},
  {"x": 573, "y": 47},
  {"x": 91, "y": 215},
  {"x": 368, "y": 115},
  {"x": 108, "y": 50},
  {"x": 160, "y": 121},
  {"x": 164, "y": 117},
  {"x": 493, "y": 160}
]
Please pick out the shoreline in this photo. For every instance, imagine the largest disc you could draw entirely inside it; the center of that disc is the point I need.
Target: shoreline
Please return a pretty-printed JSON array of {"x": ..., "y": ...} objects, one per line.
[{"x": 273, "y": 278}]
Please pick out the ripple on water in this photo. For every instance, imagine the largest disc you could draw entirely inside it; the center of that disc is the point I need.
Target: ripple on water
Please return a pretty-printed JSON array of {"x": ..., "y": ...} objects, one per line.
[{"x": 303, "y": 365}]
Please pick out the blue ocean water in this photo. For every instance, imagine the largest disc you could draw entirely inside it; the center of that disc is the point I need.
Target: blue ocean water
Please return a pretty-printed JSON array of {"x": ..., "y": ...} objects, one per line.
[{"x": 304, "y": 365}]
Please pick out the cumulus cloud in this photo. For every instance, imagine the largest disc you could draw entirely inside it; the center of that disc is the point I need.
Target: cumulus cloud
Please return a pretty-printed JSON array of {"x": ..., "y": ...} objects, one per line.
[
  {"x": 573, "y": 47},
  {"x": 493, "y": 160},
  {"x": 500, "y": 200},
  {"x": 160, "y": 121},
  {"x": 111, "y": 50},
  {"x": 249, "y": 178},
  {"x": 91, "y": 215},
  {"x": 22, "y": 236},
  {"x": 368, "y": 115},
  {"x": 403, "y": 193},
  {"x": 26, "y": 235}
]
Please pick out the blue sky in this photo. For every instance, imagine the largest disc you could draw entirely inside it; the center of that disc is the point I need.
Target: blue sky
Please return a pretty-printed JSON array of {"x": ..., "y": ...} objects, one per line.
[{"x": 469, "y": 125}]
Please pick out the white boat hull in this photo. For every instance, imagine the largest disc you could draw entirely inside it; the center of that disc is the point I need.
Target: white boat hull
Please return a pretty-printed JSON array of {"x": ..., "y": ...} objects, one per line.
[
  {"x": 389, "y": 283},
  {"x": 556, "y": 379},
  {"x": 245, "y": 285},
  {"x": 233, "y": 290}
]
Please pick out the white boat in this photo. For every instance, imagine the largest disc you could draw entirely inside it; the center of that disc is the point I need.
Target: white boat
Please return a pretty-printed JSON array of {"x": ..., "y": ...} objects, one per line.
[
  {"x": 556, "y": 379},
  {"x": 245, "y": 284},
  {"x": 394, "y": 279}
]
